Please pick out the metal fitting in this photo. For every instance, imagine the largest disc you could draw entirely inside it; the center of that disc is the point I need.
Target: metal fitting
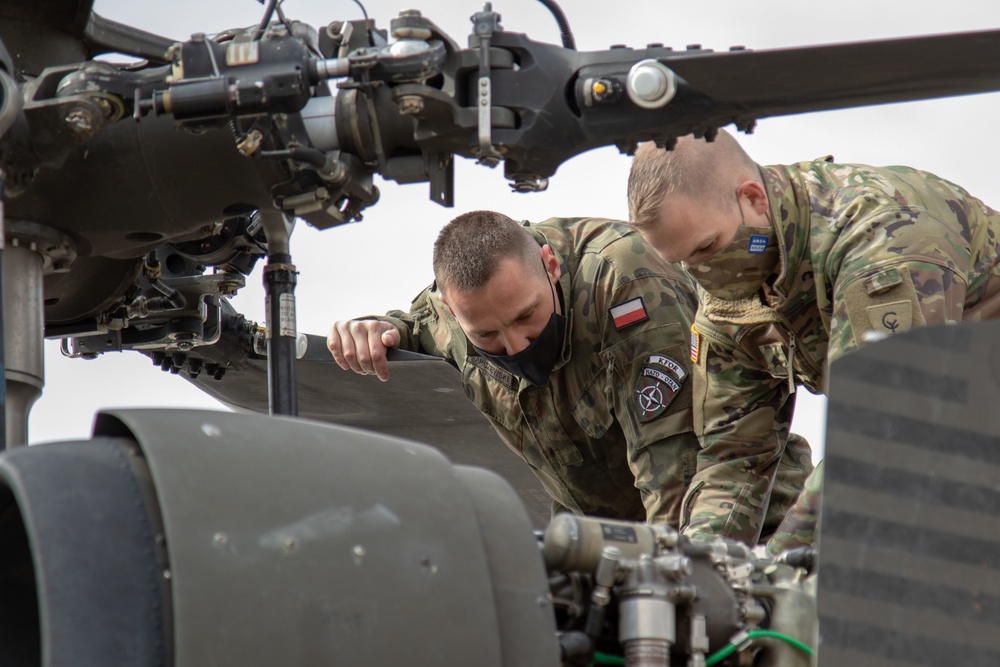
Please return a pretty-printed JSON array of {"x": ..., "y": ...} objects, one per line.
[
  {"x": 81, "y": 121},
  {"x": 410, "y": 105}
]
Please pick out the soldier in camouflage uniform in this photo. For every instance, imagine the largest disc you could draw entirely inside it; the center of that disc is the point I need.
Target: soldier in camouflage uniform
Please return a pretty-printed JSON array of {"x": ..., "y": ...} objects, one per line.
[
  {"x": 801, "y": 264},
  {"x": 571, "y": 336}
]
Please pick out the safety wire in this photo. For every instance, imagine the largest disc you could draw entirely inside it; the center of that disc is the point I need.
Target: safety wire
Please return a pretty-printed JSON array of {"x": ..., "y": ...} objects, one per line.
[{"x": 721, "y": 654}]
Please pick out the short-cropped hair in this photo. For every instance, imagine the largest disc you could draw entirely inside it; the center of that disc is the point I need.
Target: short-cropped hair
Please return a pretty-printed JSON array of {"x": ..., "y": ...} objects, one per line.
[
  {"x": 470, "y": 247},
  {"x": 706, "y": 171}
]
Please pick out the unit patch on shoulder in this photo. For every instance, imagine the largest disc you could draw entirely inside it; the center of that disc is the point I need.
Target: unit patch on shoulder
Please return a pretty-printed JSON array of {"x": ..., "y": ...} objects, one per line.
[
  {"x": 890, "y": 318},
  {"x": 629, "y": 312},
  {"x": 695, "y": 345},
  {"x": 883, "y": 303},
  {"x": 660, "y": 380}
]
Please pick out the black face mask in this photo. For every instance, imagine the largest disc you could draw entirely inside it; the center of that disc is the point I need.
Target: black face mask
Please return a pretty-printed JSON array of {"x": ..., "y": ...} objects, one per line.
[{"x": 535, "y": 362}]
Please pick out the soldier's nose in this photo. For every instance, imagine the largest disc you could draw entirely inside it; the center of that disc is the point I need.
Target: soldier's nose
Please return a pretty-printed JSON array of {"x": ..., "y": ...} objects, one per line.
[{"x": 517, "y": 343}]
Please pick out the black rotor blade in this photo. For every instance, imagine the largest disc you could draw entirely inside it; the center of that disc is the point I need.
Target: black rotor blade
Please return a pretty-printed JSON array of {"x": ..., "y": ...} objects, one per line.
[
  {"x": 786, "y": 81},
  {"x": 714, "y": 89}
]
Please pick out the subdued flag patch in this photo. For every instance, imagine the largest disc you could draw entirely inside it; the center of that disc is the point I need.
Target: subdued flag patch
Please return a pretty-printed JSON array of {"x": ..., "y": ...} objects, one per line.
[
  {"x": 629, "y": 312},
  {"x": 695, "y": 345}
]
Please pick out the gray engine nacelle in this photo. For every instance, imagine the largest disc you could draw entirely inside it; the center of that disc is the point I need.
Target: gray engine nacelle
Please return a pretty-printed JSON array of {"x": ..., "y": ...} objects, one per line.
[{"x": 197, "y": 538}]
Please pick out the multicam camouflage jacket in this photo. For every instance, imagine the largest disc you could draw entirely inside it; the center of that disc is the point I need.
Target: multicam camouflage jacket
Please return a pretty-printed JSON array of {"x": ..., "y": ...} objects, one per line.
[
  {"x": 610, "y": 433},
  {"x": 864, "y": 252},
  {"x": 800, "y": 527}
]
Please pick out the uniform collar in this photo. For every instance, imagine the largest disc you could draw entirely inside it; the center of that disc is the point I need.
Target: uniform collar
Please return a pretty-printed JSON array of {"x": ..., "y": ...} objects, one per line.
[
  {"x": 789, "y": 214},
  {"x": 564, "y": 288},
  {"x": 564, "y": 292}
]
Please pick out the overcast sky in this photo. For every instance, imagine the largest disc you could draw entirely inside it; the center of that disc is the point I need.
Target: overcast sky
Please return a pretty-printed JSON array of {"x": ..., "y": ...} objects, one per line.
[{"x": 382, "y": 262}]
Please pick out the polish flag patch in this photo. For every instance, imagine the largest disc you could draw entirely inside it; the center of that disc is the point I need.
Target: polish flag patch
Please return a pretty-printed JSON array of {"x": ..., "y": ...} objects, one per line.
[{"x": 628, "y": 313}]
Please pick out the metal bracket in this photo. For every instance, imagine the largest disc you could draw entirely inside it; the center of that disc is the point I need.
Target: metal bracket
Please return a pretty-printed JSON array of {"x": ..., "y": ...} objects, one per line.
[{"x": 485, "y": 23}]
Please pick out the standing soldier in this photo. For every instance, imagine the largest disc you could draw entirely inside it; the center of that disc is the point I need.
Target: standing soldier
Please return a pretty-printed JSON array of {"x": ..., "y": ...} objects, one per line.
[{"x": 801, "y": 264}]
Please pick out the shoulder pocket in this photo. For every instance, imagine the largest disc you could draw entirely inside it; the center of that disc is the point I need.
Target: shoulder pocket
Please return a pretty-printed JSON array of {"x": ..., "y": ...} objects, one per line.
[
  {"x": 884, "y": 302},
  {"x": 647, "y": 383}
]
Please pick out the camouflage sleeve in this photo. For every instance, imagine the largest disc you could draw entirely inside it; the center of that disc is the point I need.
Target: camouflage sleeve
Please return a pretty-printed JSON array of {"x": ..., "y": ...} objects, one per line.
[
  {"x": 651, "y": 392},
  {"x": 801, "y": 525},
  {"x": 915, "y": 275},
  {"x": 794, "y": 470},
  {"x": 428, "y": 328},
  {"x": 892, "y": 299},
  {"x": 742, "y": 415}
]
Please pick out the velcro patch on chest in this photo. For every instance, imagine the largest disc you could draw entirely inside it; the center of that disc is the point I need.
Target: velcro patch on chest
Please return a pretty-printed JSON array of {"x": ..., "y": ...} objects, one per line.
[
  {"x": 506, "y": 378},
  {"x": 629, "y": 312},
  {"x": 659, "y": 381}
]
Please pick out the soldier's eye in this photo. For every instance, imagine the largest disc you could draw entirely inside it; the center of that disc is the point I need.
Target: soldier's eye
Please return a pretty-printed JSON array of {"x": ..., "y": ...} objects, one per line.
[{"x": 705, "y": 248}]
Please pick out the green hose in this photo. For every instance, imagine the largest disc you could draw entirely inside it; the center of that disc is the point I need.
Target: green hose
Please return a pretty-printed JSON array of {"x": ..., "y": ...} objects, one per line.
[
  {"x": 729, "y": 649},
  {"x": 721, "y": 654},
  {"x": 607, "y": 659}
]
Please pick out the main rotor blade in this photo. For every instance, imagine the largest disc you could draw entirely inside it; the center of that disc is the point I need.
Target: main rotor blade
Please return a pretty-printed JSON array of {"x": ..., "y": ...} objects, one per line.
[
  {"x": 714, "y": 89},
  {"x": 786, "y": 81}
]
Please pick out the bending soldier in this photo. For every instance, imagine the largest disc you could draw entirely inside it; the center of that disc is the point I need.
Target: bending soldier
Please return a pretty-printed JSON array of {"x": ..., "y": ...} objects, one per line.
[
  {"x": 571, "y": 335},
  {"x": 801, "y": 264}
]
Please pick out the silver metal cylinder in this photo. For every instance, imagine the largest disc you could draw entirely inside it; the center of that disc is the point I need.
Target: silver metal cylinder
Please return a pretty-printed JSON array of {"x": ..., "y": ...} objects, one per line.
[
  {"x": 333, "y": 68},
  {"x": 575, "y": 543},
  {"x": 647, "y": 653},
  {"x": 647, "y": 618},
  {"x": 23, "y": 335},
  {"x": 320, "y": 118},
  {"x": 647, "y": 624}
]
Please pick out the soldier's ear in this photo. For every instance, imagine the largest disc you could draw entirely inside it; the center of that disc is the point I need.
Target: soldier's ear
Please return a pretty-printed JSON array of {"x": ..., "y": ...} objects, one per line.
[
  {"x": 756, "y": 194},
  {"x": 444, "y": 301},
  {"x": 551, "y": 263}
]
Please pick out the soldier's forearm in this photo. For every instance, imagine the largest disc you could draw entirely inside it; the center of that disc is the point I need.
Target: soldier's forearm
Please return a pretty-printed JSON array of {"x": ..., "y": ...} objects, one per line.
[
  {"x": 727, "y": 501},
  {"x": 663, "y": 472},
  {"x": 730, "y": 493}
]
